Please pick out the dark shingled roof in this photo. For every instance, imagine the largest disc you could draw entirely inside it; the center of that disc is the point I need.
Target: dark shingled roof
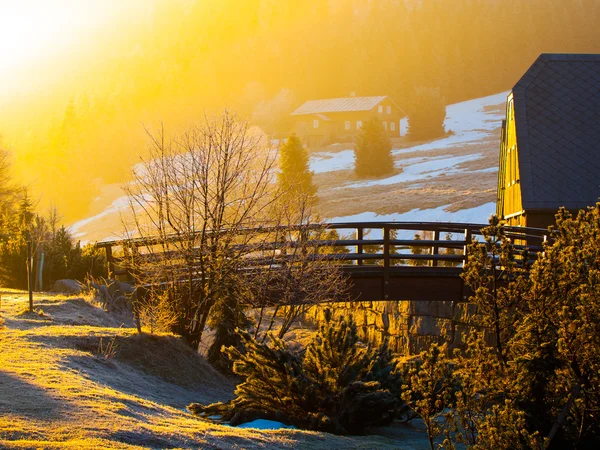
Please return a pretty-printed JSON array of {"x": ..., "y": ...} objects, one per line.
[{"x": 557, "y": 118}]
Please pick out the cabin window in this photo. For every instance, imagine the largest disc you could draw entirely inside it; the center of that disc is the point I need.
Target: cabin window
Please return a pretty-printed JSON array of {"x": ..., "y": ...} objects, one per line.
[
  {"x": 316, "y": 123},
  {"x": 388, "y": 109},
  {"x": 358, "y": 124},
  {"x": 393, "y": 126},
  {"x": 385, "y": 126},
  {"x": 380, "y": 109},
  {"x": 347, "y": 125}
]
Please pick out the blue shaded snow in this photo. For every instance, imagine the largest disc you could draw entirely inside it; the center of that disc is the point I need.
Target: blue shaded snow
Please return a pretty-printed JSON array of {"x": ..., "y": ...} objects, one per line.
[{"x": 264, "y": 424}]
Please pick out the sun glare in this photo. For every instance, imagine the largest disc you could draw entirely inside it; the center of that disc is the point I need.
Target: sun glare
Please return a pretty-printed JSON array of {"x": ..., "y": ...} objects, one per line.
[{"x": 38, "y": 29}]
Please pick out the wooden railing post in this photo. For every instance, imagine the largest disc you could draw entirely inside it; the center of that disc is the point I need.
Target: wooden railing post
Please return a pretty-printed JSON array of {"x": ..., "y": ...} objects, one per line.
[
  {"x": 359, "y": 247},
  {"x": 386, "y": 262},
  {"x": 435, "y": 249},
  {"x": 468, "y": 236},
  {"x": 109, "y": 262}
]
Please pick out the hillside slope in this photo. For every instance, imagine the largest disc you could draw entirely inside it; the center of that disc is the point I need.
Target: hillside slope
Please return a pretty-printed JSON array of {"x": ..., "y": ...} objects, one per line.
[
  {"x": 453, "y": 178},
  {"x": 61, "y": 387}
]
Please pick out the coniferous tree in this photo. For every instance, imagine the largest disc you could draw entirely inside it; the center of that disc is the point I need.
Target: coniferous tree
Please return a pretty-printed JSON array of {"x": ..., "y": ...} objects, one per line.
[
  {"x": 427, "y": 114},
  {"x": 537, "y": 383},
  {"x": 429, "y": 389},
  {"x": 418, "y": 250},
  {"x": 17, "y": 224},
  {"x": 373, "y": 151},
  {"x": 450, "y": 251},
  {"x": 295, "y": 177},
  {"x": 337, "y": 384}
]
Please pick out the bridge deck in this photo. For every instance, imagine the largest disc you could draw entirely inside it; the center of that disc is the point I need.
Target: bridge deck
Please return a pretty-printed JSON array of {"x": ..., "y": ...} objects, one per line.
[{"x": 384, "y": 260}]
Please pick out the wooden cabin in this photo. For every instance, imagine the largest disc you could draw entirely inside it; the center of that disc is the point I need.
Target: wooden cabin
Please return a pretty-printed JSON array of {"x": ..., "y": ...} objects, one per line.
[
  {"x": 550, "y": 150},
  {"x": 321, "y": 122}
]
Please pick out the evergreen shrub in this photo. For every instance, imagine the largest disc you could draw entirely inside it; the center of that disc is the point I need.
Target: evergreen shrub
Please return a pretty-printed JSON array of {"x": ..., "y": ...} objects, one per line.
[
  {"x": 373, "y": 151},
  {"x": 337, "y": 384}
]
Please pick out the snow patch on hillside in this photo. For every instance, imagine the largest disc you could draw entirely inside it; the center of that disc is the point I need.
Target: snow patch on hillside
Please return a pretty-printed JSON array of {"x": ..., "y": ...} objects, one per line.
[
  {"x": 119, "y": 205},
  {"x": 479, "y": 214},
  {"x": 328, "y": 161},
  {"x": 469, "y": 121},
  {"x": 423, "y": 169}
]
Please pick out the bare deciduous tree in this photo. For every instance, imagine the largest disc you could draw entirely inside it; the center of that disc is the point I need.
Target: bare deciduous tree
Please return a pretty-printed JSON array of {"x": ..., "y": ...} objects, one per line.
[
  {"x": 300, "y": 274},
  {"x": 197, "y": 196},
  {"x": 219, "y": 236}
]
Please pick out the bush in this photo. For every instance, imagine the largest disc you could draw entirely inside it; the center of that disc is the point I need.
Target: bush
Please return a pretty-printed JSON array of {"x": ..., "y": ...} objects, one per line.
[
  {"x": 373, "y": 152},
  {"x": 295, "y": 177},
  {"x": 429, "y": 389},
  {"x": 337, "y": 384},
  {"x": 537, "y": 385},
  {"x": 63, "y": 257},
  {"x": 156, "y": 311},
  {"x": 426, "y": 114}
]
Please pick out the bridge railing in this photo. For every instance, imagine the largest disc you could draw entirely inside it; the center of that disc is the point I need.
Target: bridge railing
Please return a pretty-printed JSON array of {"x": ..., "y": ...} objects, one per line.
[{"x": 375, "y": 246}]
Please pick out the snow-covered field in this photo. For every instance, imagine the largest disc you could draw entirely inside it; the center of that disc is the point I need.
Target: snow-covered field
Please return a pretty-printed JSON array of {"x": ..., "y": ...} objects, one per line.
[
  {"x": 448, "y": 179},
  {"x": 478, "y": 214}
]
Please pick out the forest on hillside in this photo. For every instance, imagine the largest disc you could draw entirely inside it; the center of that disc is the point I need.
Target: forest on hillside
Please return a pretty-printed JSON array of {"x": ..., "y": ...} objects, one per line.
[{"x": 84, "y": 124}]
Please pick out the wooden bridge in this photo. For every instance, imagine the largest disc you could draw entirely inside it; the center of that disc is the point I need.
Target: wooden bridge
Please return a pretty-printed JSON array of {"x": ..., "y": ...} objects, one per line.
[{"x": 388, "y": 260}]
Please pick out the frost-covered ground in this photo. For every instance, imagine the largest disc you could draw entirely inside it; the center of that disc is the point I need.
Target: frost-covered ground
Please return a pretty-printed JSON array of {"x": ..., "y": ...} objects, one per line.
[
  {"x": 59, "y": 390},
  {"x": 448, "y": 179}
]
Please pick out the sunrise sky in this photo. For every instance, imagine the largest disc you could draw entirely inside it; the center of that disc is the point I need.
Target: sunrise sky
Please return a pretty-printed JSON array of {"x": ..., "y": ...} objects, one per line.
[{"x": 41, "y": 33}]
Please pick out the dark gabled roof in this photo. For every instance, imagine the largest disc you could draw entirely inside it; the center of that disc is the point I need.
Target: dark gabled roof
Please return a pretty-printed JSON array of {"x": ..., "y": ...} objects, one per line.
[{"x": 557, "y": 118}]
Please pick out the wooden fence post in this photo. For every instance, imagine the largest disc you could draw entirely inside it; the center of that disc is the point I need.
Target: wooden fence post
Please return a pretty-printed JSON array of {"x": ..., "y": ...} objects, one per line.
[
  {"x": 109, "y": 261},
  {"x": 29, "y": 276}
]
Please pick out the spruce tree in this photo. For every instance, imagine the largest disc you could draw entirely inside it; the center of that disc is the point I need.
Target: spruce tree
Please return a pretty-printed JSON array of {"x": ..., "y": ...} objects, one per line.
[
  {"x": 373, "y": 151},
  {"x": 295, "y": 177},
  {"x": 418, "y": 250},
  {"x": 427, "y": 114},
  {"x": 450, "y": 251},
  {"x": 337, "y": 384}
]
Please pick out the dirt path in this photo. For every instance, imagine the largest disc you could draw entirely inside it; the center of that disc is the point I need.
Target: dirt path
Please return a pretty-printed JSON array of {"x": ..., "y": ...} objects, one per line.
[{"x": 60, "y": 387}]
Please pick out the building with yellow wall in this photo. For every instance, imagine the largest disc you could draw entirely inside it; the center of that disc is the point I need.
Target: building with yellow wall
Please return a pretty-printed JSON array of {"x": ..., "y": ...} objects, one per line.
[{"x": 550, "y": 147}]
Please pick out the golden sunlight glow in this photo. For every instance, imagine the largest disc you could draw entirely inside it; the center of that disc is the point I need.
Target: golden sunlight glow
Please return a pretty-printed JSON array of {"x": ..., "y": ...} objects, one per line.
[
  {"x": 80, "y": 80},
  {"x": 31, "y": 29}
]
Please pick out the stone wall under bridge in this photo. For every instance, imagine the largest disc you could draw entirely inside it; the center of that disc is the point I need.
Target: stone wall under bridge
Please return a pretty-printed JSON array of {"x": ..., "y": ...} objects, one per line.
[{"x": 410, "y": 326}]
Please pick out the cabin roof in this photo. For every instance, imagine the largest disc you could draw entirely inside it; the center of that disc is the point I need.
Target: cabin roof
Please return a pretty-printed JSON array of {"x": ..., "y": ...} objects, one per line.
[
  {"x": 344, "y": 104},
  {"x": 557, "y": 119}
]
